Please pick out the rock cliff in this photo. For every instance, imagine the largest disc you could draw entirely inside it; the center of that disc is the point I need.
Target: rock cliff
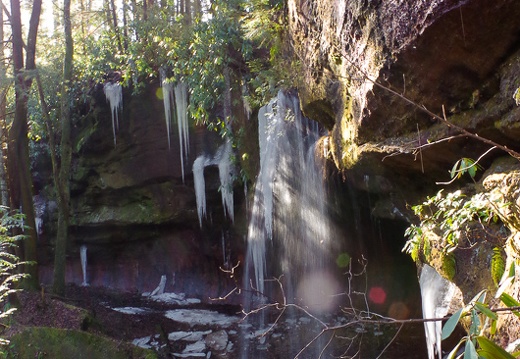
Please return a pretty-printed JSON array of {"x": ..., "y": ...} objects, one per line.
[
  {"x": 372, "y": 68},
  {"x": 406, "y": 89}
]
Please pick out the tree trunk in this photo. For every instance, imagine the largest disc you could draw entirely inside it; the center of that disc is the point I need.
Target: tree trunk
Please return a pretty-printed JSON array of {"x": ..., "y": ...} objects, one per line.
[
  {"x": 66, "y": 156},
  {"x": 4, "y": 195},
  {"x": 113, "y": 10},
  {"x": 187, "y": 15},
  {"x": 197, "y": 8},
  {"x": 20, "y": 182}
]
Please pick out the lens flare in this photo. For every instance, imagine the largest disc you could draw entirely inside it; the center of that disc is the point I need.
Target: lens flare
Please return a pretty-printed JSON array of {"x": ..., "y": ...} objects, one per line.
[
  {"x": 377, "y": 295},
  {"x": 318, "y": 292}
]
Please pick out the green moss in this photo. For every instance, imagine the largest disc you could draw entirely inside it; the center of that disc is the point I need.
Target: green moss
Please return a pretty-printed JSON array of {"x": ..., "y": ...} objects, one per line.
[
  {"x": 65, "y": 344},
  {"x": 449, "y": 267}
]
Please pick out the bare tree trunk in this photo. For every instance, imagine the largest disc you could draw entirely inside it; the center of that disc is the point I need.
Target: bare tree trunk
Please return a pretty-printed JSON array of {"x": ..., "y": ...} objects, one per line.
[
  {"x": 197, "y": 8},
  {"x": 4, "y": 195},
  {"x": 115, "y": 25},
  {"x": 187, "y": 14},
  {"x": 66, "y": 157},
  {"x": 125, "y": 27},
  {"x": 20, "y": 182}
]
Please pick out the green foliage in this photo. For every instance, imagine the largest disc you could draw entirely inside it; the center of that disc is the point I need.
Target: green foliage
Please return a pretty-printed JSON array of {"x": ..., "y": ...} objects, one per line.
[
  {"x": 9, "y": 262},
  {"x": 451, "y": 215},
  {"x": 498, "y": 265},
  {"x": 476, "y": 344},
  {"x": 510, "y": 302},
  {"x": 418, "y": 243},
  {"x": 464, "y": 165}
]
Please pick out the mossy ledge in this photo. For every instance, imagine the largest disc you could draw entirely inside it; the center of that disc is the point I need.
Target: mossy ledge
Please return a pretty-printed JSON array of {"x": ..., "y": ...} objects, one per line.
[{"x": 42, "y": 342}]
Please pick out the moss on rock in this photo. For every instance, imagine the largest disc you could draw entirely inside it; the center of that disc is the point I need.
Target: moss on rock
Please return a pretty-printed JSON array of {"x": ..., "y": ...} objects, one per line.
[{"x": 41, "y": 342}]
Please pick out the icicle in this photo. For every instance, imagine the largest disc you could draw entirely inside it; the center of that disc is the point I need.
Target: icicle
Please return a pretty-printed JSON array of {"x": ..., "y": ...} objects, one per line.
[
  {"x": 226, "y": 180},
  {"x": 167, "y": 90},
  {"x": 160, "y": 288},
  {"x": 200, "y": 186},
  {"x": 181, "y": 105},
  {"x": 83, "y": 258},
  {"x": 437, "y": 293},
  {"x": 114, "y": 95},
  {"x": 223, "y": 244},
  {"x": 223, "y": 160}
]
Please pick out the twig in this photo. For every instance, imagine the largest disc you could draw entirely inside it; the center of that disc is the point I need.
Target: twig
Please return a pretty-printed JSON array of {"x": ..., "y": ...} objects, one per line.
[
  {"x": 391, "y": 341},
  {"x": 420, "y": 152}
]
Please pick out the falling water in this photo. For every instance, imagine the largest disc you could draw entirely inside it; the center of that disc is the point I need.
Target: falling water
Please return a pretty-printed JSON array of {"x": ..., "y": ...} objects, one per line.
[
  {"x": 83, "y": 258},
  {"x": 289, "y": 226},
  {"x": 289, "y": 178},
  {"x": 114, "y": 95},
  {"x": 225, "y": 170}
]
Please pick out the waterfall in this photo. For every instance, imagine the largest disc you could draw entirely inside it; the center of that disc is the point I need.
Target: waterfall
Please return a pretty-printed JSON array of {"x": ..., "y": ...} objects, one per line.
[
  {"x": 290, "y": 235},
  {"x": 225, "y": 169},
  {"x": 437, "y": 294},
  {"x": 114, "y": 95},
  {"x": 83, "y": 258},
  {"x": 289, "y": 200}
]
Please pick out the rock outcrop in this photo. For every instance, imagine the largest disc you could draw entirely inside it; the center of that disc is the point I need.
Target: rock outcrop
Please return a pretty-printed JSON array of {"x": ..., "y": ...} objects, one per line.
[
  {"x": 406, "y": 89},
  {"x": 133, "y": 211},
  {"x": 360, "y": 59}
]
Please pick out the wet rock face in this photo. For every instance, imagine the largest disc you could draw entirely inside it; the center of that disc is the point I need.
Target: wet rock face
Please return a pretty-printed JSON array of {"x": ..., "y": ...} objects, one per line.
[
  {"x": 132, "y": 210},
  {"x": 436, "y": 53}
]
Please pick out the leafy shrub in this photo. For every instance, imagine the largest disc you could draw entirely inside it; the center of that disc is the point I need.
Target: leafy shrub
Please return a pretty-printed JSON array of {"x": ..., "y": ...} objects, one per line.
[{"x": 9, "y": 261}]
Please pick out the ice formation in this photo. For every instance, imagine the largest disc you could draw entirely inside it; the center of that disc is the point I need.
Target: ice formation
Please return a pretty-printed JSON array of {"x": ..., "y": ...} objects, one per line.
[
  {"x": 181, "y": 106},
  {"x": 167, "y": 92},
  {"x": 222, "y": 158},
  {"x": 225, "y": 169},
  {"x": 437, "y": 294},
  {"x": 200, "y": 186},
  {"x": 83, "y": 258},
  {"x": 290, "y": 177},
  {"x": 176, "y": 96},
  {"x": 114, "y": 95}
]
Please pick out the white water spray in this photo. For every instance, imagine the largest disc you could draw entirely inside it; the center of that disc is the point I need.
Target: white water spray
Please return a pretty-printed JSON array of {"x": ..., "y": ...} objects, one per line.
[
  {"x": 83, "y": 258},
  {"x": 114, "y": 95},
  {"x": 288, "y": 176}
]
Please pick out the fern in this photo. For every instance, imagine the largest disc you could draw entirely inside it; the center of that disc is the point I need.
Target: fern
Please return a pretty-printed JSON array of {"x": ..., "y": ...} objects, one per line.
[{"x": 498, "y": 265}]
